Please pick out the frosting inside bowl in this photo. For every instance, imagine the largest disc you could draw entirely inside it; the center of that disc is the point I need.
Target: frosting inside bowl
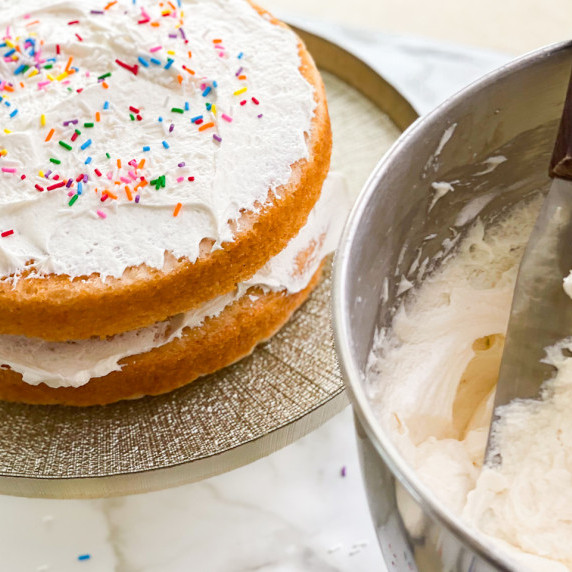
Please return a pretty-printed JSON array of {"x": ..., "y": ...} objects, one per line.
[
  {"x": 132, "y": 129},
  {"x": 432, "y": 385}
]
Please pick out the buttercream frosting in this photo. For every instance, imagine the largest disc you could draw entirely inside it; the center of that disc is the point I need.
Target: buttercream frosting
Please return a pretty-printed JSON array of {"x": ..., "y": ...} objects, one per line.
[
  {"x": 196, "y": 109},
  {"x": 74, "y": 363},
  {"x": 432, "y": 384}
]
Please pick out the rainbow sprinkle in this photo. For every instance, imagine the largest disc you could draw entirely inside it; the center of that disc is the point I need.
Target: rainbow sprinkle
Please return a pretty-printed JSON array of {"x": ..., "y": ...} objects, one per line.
[{"x": 134, "y": 69}]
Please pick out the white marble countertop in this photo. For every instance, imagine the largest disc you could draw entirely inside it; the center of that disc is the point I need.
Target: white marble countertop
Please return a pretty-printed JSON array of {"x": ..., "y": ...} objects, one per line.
[{"x": 300, "y": 509}]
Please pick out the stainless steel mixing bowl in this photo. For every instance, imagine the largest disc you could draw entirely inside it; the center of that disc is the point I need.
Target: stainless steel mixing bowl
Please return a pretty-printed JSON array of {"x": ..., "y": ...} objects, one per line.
[{"x": 513, "y": 112}]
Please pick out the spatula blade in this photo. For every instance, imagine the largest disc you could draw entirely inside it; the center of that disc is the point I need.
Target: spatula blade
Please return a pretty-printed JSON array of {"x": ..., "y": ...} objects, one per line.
[{"x": 541, "y": 312}]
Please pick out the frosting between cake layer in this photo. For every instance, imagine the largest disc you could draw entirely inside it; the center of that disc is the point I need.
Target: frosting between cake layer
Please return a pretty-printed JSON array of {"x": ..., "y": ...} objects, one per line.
[
  {"x": 132, "y": 112},
  {"x": 72, "y": 364}
]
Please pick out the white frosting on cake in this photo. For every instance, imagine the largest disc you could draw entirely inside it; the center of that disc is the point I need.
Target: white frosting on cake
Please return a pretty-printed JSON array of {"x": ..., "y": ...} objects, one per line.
[
  {"x": 72, "y": 364},
  {"x": 227, "y": 45}
]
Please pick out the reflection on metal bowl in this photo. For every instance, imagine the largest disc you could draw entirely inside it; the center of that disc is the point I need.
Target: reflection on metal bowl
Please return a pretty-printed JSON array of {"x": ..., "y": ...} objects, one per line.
[{"x": 512, "y": 112}]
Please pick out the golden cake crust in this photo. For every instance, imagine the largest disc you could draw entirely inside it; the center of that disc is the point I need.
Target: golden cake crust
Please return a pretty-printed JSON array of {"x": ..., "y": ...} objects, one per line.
[
  {"x": 56, "y": 308},
  {"x": 220, "y": 341}
]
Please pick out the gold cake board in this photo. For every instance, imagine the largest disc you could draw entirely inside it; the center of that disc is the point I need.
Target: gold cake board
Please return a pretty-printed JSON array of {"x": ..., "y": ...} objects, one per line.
[{"x": 287, "y": 388}]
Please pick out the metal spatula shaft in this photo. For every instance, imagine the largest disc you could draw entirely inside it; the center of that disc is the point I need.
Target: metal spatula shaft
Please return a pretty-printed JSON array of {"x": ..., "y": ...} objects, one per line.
[{"x": 541, "y": 312}]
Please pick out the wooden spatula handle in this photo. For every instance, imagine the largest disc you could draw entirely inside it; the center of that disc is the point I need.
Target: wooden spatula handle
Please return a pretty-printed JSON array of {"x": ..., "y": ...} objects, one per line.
[{"x": 561, "y": 162}]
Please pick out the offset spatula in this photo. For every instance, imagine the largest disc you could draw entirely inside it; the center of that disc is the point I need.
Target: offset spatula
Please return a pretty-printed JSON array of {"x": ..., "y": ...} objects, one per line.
[{"x": 541, "y": 312}]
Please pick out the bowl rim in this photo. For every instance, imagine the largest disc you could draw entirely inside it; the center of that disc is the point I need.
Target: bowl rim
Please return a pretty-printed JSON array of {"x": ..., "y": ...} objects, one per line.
[{"x": 382, "y": 443}]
